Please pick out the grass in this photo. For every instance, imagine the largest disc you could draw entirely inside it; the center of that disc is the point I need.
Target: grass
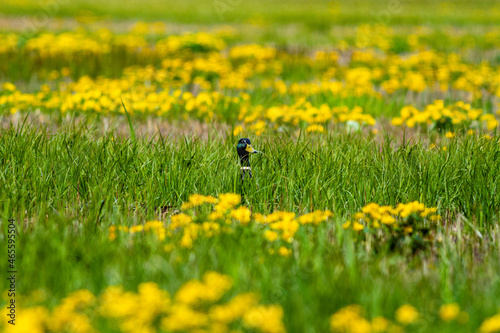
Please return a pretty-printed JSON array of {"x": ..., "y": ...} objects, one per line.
[
  {"x": 66, "y": 188},
  {"x": 68, "y": 177},
  {"x": 296, "y": 175},
  {"x": 318, "y": 15}
]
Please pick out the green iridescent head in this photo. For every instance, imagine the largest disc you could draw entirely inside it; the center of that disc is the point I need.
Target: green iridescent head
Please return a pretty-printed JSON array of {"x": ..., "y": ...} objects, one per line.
[{"x": 244, "y": 149}]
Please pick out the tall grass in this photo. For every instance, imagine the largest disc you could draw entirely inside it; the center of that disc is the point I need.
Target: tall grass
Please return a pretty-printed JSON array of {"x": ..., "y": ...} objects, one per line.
[
  {"x": 92, "y": 173},
  {"x": 317, "y": 15},
  {"x": 65, "y": 188}
]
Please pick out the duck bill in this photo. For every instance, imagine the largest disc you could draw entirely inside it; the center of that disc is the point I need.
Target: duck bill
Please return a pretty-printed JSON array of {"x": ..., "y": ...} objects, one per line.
[{"x": 251, "y": 150}]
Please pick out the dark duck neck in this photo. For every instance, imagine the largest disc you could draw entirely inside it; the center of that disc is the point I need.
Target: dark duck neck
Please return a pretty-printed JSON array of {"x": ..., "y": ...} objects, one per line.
[
  {"x": 245, "y": 160},
  {"x": 245, "y": 164}
]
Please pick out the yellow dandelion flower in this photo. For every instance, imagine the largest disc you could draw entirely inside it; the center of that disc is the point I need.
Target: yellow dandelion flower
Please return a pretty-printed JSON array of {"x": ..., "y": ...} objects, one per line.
[
  {"x": 237, "y": 130},
  {"x": 227, "y": 201},
  {"x": 407, "y": 314},
  {"x": 449, "y": 312},
  {"x": 490, "y": 325},
  {"x": 179, "y": 221},
  {"x": 266, "y": 318},
  {"x": 8, "y": 86},
  {"x": 241, "y": 214},
  {"x": 359, "y": 216},
  {"x": 397, "y": 121},
  {"x": 284, "y": 251},
  {"x": 380, "y": 324},
  {"x": 358, "y": 226},
  {"x": 271, "y": 235}
]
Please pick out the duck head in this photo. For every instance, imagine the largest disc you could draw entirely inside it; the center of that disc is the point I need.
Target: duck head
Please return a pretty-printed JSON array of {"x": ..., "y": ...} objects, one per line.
[{"x": 244, "y": 149}]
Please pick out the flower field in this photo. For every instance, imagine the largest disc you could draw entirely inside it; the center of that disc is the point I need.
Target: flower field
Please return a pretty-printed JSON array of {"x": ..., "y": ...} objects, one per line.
[{"x": 373, "y": 203}]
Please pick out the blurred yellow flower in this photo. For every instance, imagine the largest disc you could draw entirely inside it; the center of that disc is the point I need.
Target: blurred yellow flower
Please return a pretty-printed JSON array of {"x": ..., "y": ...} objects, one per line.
[
  {"x": 407, "y": 314},
  {"x": 266, "y": 318},
  {"x": 271, "y": 235},
  {"x": 449, "y": 312},
  {"x": 8, "y": 86},
  {"x": 285, "y": 252},
  {"x": 358, "y": 226},
  {"x": 380, "y": 324},
  {"x": 241, "y": 214},
  {"x": 237, "y": 130},
  {"x": 196, "y": 200},
  {"x": 349, "y": 320},
  {"x": 490, "y": 325}
]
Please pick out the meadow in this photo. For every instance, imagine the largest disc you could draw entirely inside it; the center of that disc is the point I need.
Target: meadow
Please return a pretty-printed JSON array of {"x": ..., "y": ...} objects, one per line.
[{"x": 374, "y": 202}]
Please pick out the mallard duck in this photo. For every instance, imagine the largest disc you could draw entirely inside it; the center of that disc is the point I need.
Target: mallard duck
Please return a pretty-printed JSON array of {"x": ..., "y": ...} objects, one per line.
[{"x": 244, "y": 149}]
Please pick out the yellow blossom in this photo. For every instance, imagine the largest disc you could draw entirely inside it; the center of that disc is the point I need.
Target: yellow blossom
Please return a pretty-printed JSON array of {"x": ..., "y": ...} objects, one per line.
[
  {"x": 407, "y": 314},
  {"x": 285, "y": 252},
  {"x": 490, "y": 325},
  {"x": 179, "y": 221},
  {"x": 241, "y": 214},
  {"x": 8, "y": 86},
  {"x": 227, "y": 201},
  {"x": 350, "y": 319},
  {"x": 357, "y": 226},
  {"x": 266, "y": 318},
  {"x": 449, "y": 312},
  {"x": 380, "y": 324},
  {"x": 271, "y": 235},
  {"x": 237, "y": 130}
]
